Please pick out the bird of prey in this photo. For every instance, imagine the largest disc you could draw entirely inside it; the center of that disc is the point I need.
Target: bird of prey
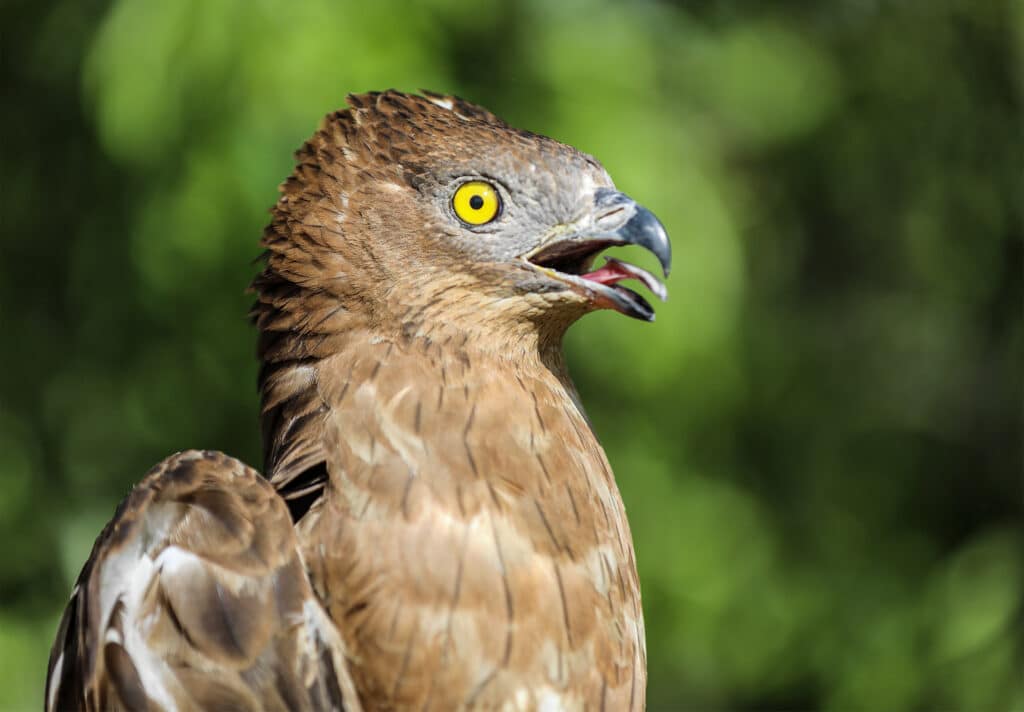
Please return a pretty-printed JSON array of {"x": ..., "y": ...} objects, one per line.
[{"x": 437, "y": 526}]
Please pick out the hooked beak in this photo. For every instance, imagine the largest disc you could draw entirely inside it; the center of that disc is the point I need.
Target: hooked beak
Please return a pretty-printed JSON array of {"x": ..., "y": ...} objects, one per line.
[{"x": 616, "y": 219}]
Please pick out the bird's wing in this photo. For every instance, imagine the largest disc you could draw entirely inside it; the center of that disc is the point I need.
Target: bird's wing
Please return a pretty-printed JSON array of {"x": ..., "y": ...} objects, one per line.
[{"x": 195, "y": 597}]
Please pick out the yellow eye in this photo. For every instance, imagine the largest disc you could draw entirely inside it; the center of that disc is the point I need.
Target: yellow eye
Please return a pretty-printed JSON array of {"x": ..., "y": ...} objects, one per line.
[{"x": 476, "y": 202}]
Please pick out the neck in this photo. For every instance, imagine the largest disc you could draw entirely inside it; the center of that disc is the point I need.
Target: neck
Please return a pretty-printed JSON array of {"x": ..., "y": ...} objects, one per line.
[{"x": 310, "y": 362}]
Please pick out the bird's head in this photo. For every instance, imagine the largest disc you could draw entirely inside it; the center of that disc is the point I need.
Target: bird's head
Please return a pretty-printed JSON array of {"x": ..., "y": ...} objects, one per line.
[{"x": 423, "y": 213}]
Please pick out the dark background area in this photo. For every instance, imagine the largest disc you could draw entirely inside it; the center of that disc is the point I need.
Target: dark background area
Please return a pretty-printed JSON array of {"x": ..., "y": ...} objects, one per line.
[{"x": 820, "y": 440}]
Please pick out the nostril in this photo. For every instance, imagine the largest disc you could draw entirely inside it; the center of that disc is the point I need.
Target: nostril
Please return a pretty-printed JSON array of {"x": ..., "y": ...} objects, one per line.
[
  {"x": 612, "y": 218},
  {"x": 612, "y": 209}
]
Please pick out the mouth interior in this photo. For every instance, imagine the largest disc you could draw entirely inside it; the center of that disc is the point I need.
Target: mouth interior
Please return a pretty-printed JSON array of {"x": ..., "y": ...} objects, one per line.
[
  {"x": 568, "y": 258},
  {"x": 577, "y": 260}
]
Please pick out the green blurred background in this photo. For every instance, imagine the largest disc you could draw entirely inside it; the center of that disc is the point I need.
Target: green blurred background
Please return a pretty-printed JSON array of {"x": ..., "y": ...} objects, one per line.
[{"x": 818, "y": 442}]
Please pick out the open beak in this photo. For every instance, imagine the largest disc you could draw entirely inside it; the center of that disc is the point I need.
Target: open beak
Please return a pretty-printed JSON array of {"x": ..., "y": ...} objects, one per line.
[{"x": 616, "y": 219}]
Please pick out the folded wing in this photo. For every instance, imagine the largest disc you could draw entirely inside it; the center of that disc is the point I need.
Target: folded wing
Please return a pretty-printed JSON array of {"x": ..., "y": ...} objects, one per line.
[{"x": 195, "y": 596}]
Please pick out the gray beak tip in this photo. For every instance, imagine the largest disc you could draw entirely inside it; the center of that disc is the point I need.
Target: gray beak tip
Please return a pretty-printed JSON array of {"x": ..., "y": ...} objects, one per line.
[
  {"x": 638, "y": 225},
  {"x": 646, "y": 230}
]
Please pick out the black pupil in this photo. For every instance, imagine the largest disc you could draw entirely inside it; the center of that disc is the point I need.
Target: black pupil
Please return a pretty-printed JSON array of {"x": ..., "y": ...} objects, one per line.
[{"x": 476, "y": 202}]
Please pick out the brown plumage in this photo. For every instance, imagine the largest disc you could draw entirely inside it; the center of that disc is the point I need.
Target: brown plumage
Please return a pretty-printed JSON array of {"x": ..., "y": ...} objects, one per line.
[{"x": 441, "y": 529}]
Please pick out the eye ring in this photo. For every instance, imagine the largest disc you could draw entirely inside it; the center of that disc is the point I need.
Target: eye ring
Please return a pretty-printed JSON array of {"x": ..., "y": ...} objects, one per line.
[{"x": 476, "y": 202}]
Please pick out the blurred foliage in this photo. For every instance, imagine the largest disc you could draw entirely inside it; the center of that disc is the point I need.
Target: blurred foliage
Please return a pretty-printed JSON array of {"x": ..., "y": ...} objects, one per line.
[{"x": 819, "y": 442}]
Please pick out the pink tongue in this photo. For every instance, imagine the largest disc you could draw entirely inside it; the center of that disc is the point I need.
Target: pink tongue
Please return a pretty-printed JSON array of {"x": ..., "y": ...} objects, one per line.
[
  {"x": 615, "y": 271},
  {"x": 611, "y": 273}
]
